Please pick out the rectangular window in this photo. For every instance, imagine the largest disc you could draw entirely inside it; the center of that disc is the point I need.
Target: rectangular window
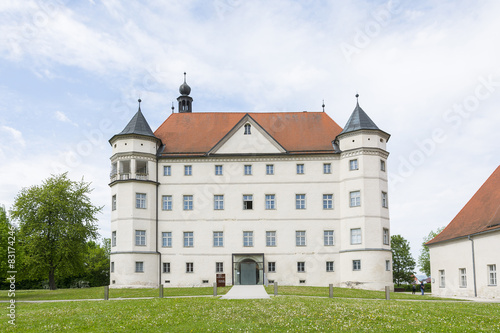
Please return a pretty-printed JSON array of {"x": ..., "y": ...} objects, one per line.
[
  {"x": 327, "y": 168},
  {"x": 248, "y": 170},
  {"x": 356, "y": 265},
  {"x": 301, "y": 266},
  {"x": 113, "y": 202},
  {"x": 188, "y": 202},
  {"x": 188, "y": 239},
  {"x": 139, "y": 267},
  {"x": 492, "y": 275},
  {"x": 270, "y": 169},
  {"x": 329, "y": 266},
  {"x": 248, "y": 238},
  {"x": 188, "y": 170},
  {"x": 140, "y": 237},
  {"x": 166, "y": 202},
  {"x": 387, "y": 265},
  {"x": 328, "y": 238},
  {"x": 271, "y": 267},
  {"x": 300, "y": 169},
  {"x": 166, "y": 239},
  {"x": 385, "y": 204},
  {"x": 218, "y": 170},
  {"x": 140, "y": 200},
  {"x": 353, "y": 164},
  {"x": 356, "y": 236},
  {"x": 218, "y": 239},
  {"x": 382, "y": 165},
  {"x": 327, "y": 201},
  {"x": 300, "y": 201},
  {"x": 189, "y": 267},
  {"x": 167, "y": 170},
  {"x": 218, "y": 202},
  {"x": 219, "y": 267},
  {"x": 386, "y": 237},
  {"x": 300, "y": 238},
  {"x": 113, "y": 238},
  {"x": 270, "y": 201},
  {"x": 355, "y": 199},
  {"x": 112, "y": 267},
  {"x": 247, "y": 201},
  {"x": 166, "y": 267},
  {"x": 441, "y": 278},
  {"x": 463, "y": 277},
  {"x": 270, "y": 238}
]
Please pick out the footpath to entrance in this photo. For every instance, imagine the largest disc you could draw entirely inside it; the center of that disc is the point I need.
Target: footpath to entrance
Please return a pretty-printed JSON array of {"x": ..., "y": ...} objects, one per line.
[{"x": 246, "y": 292}]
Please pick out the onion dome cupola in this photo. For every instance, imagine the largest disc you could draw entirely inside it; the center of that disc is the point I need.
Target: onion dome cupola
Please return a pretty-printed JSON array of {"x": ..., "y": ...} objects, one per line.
[{"x": 185, "y": 101}]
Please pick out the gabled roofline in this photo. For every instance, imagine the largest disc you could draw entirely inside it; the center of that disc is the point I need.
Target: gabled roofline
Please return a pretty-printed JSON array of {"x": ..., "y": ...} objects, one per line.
[{"x": 430, "y": 243}]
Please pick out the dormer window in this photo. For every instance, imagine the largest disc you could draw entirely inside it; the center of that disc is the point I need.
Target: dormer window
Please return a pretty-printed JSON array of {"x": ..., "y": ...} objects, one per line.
[{"x": 248, "y": 129}]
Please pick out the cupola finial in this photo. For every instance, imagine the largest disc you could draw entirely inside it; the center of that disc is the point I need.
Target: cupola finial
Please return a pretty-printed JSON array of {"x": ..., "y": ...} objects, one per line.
[
  {"x": 323, "y": 105},
  {"x": 139, "y": 100}
]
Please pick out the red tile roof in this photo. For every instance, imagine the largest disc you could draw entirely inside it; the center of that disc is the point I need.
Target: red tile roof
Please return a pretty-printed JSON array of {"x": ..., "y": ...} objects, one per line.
[
  {"x": 480, "y": 214},
  {"x": 195, "y": 134}
]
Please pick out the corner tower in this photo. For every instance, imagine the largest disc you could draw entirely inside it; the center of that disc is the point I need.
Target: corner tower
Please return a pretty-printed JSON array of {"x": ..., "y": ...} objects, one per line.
[{"x": 133, "y": 185}]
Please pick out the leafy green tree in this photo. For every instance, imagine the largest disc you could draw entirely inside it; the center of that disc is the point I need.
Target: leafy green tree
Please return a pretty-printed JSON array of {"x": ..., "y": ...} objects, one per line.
[
  {"x": 403, "y": 264},
  {"x": 97, "y": 263},
  {"x": 4, "y": 241},
  {"x": 55, "y": 221},
  {"x": 424, "y": 260}
]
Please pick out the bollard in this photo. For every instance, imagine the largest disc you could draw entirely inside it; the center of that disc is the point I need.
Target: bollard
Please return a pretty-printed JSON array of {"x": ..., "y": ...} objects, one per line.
[
  {"x": 331, "y": 290},
  {"x": 106, "y": 293},
  {"x": 161, "y": 291},
  {"x": 215, "y": 288},
  {"x": 275, "y": 288},
  {"x": 387, "y": 293}
]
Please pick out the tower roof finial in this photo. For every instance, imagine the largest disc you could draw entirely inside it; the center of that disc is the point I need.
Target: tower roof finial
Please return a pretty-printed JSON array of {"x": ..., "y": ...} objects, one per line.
[
  {"x": 323, "y": 105},
  {"x": 184, "y": 89},
  {"x": 172, "y": 107},
  {"x": 139, "y": 100}
]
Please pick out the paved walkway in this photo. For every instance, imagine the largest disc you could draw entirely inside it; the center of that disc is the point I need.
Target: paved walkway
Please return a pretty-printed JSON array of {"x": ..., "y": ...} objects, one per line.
[{"x": 246, "y": 292}]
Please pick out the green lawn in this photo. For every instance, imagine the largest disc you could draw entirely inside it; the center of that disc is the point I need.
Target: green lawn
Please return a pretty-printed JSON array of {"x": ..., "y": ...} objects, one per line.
[{"x": 278, "y": 314}]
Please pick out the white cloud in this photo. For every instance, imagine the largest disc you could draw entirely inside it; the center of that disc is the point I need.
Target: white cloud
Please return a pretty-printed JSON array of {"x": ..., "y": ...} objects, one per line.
[
  {"x": 15, "y": 135},
  {"x": 61, "y": 116}
]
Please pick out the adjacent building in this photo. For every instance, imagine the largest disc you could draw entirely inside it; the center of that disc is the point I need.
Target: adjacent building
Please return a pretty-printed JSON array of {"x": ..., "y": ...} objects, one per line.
[
  {"x": 258, "y": 197},
  {"x": 465, "y": 256}
]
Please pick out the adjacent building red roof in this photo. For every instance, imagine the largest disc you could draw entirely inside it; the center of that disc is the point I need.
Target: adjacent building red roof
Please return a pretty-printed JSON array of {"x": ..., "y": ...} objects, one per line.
[
  {"x": 480, "y": 214},
  {"x": 197, "y": 133}
]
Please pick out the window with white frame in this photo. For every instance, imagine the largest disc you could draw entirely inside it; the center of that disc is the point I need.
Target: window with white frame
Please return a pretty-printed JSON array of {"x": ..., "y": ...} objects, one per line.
[
  {"x": 166, "y": 239},
  {"x": 248, "y": 170},
  {"x": 218, "y": 238},
  {"x": 387, "y": 265},
  {"x": 247, "y": 201},
  {"x": 301, "y": 266},
  {"x": 353, "y": 164},
  {"x": 218, "y": 170},
  {"x": 463, "y": 277},
  {"x": 140, "y": 200},
  {"x": 300, "y": 238},
  {"x": 356, "y": 236},
  {"x": 300, "y": 169},
  {"x": 492, "y": 275},
  {"x": 270, "y": 169},
  {"x": 300, "y": 201},
  {"x": 188, "y": 202},
  {"x": 270, "y": 238},
  {"x": 167, "y": 170},
  {"x": 140, "y": 237},
  {"x": 247, "y": 238},
  {"x": 113, "y": 238},
  {"x": 385, "y": 203},
  {"x": 328, "y": 238},
  {"x": 218, "y": 202},
  {"x": 188, "y": 239},
  {"x": 166, "y": 267},
  {"x": 248, "y": 129},
  {"x": 356, "y": 265},
  {"x": 189, "y": 267},
  {"x": 113, "y": 202},
  {"x": 327, "y": 168},
  {"x": 386, "y": 238},
  {"x": 382, "y": 165},
  {"x": 441, "y": 278},
  {"x": 166, "y": 202},
  {"x": 112, "y": 267},
  {"x": 355, "y": 199},
  {"x": 270, "y": 201},
  {"x": 271, "y": 267},
  {"x": 327, "y": 201},
  {"x": 139, "y": 267},
  {"x": 219, "y": 267},
  {"x": 188, "y": 170},
  {"x": 330, "y": 266}
]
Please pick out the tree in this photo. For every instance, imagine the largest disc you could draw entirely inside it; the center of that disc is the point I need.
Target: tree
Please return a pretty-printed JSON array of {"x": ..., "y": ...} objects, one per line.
[
  {"x": 424, "y": 260},
  {"x": 97, "y": 263},
  {"x": 55, "y": 221},
  {"x": 403, "y": 264},
  {"x": 4, "y": 241}
]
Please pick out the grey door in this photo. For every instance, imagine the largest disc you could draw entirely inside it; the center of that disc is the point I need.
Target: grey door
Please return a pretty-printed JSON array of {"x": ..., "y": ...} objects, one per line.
[{"x": 248, "y": 273}]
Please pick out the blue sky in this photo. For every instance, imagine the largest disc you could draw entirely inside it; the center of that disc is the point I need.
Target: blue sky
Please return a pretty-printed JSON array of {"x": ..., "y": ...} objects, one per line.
[{"x": 427, "y": 72}]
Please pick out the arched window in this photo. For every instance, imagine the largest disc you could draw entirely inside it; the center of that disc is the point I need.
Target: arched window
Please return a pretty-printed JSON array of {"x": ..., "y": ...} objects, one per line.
[{"x": 248, "y": 129}]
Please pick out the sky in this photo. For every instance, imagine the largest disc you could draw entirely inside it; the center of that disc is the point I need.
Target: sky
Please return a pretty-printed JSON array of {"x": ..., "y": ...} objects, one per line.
[{"x": 427, "y": 72}]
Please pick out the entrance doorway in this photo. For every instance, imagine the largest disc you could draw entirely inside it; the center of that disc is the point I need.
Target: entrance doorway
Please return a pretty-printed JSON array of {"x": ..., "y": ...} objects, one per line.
[
  {"x": 248, "y": 272},
  {"x": 248, "y": 269}
]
